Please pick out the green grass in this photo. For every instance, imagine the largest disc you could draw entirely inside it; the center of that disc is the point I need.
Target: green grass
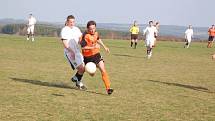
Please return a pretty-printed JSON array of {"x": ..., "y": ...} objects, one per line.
[{"x": 176, "y": 84}]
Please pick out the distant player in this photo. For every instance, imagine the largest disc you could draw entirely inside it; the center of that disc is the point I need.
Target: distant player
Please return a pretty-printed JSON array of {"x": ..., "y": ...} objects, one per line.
[
  {"x": 150, "y": 33},
  {"x": 157, "y": 26},
  {"x": 188, "y": 36},
  {"x": 91, "y": 51},
  {"x": 134, "y": 34},
  {"x": 71, "y": 36},
  {"x": 30, "y": 26},
  {"x": 211, "y": 33}
]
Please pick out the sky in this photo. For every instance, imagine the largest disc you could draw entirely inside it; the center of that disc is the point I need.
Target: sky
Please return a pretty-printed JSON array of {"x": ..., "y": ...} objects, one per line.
[{"x": 167, "y": 12}]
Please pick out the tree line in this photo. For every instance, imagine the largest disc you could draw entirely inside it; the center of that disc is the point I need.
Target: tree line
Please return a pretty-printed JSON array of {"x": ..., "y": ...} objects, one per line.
[{"x": 53, "y": 31}]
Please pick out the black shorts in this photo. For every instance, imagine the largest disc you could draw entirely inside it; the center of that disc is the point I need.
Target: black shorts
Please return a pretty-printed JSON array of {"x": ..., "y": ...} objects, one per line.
[
  {"x": 211, "y": 38},
  {"x": 134, "y": 36},
  {"x": 95, "y": 59}
]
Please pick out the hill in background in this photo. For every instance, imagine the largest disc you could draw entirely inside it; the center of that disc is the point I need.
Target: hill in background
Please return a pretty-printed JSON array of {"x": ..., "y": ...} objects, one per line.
[{"x": 107, "y": 30}]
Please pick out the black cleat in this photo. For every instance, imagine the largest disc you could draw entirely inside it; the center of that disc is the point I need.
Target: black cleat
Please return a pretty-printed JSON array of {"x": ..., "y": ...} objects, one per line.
[
  {"x": 78, "y": 84},
  {"x": 109, "y": 91},
  {"x": 74, "y": 79}
]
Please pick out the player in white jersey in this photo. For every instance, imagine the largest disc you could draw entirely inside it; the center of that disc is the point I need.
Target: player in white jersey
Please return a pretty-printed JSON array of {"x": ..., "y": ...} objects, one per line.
[
  {"x": 150, "y": 33},
  {"x": 71, "y": 36},
  {"x": 157, "y": 26},
  {"x": 188, "y": 36},
  {"x": 30, "y": 26}
]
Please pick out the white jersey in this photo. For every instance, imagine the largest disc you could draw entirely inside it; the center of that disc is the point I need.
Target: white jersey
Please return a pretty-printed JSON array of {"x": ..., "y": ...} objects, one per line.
[
  {"x": 31, "y": 21},
  {"x": 71, "y": 36},
  {"x": 150, "y": 33},
  {"x": 189, "y": 34}
]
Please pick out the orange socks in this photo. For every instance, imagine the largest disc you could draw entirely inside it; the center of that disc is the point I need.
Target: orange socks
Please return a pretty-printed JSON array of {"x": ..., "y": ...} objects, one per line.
[{"x": 106, "y": 80}]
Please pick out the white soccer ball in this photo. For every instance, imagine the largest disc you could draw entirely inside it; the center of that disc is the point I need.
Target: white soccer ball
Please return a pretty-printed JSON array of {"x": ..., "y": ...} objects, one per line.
[{"x": 90, "y": 68}]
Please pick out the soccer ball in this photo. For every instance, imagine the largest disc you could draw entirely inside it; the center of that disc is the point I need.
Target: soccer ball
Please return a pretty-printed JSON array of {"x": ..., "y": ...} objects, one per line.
[{"x": 90, "y": 68}]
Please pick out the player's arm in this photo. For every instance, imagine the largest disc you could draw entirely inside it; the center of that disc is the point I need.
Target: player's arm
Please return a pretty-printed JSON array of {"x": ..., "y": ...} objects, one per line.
[
  {"x": 35, "y": 21},
  {"x": 185, "y": 34},
  {"x": 66, "y": 45},
  {"x": 84, "y": 45},
  {"x": 144, "y": 31},
  {"x": 103, "y": 45},
  {"x": 192, "y": 34},
  {"x": 131, "y": 29}
]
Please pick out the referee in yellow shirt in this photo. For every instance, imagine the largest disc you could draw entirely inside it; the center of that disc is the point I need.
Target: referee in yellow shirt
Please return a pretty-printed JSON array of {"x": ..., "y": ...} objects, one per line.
[{"x": 134, "y": 34}]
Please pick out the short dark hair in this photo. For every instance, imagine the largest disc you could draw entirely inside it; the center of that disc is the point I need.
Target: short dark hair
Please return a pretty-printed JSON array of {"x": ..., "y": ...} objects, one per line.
[
  {"x": 89, "y": 23},
  {"x": 150, "y": 22},
  {"x": 70, "y": 17}
]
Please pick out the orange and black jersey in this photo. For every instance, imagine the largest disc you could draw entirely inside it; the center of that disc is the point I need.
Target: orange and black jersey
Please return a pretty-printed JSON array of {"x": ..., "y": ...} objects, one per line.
[
  {"x": 211, "y": 32},
  {"x": 89, "y": 40}
]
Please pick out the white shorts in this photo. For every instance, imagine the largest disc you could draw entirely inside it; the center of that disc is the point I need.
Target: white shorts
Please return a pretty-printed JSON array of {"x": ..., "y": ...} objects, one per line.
[
  {"x": 30, "y": 29},
  {"x": 74, "y": 62},
  {"x": 189, "y": 39},
  {"x": 150, "y": 43}
]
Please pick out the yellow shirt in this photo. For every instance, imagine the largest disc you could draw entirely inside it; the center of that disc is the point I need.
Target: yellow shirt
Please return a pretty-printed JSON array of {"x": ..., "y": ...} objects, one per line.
[{"x": 134, "y": 30}]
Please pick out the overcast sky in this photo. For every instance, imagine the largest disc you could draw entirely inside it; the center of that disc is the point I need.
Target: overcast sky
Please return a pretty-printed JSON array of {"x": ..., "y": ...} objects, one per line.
[{"x": 168, "y": 12}]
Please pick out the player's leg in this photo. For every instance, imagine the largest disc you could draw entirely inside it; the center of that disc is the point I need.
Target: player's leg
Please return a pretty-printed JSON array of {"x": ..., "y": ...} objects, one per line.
[
  {"x": 188, "y": 43},
  {"x": 79, "y": 65},
  {"x": 132, "y": 40},
  {"x": 209, "y": 42},
  {"x": 105, "y": 77},
  {"x": 32, "y": 32},
  {"x": 135, "y": 40},
  {"x": 149, "y": 52},
  {"x": 185, "y": 45},
  {"x": 151, "y": 44},
  {"x": 147, "y": 48},
  {"x": 28, "y": 33},
  {"x": 212, "y": 42},
  {"x": 78, "y": 77},
  {"x": 135, "y": 43}
]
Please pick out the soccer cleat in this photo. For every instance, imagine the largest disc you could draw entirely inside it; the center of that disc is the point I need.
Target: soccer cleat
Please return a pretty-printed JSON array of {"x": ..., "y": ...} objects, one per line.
[
  {"x": 74, "y": 79},
  {"x": 78, "y": 84},
  {"x": 109, "y": 91},
  {"x": 32, "y": 39}
]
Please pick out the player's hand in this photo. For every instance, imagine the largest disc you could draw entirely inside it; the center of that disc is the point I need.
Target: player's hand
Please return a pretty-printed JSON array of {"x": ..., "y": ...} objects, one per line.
[
  {"x": 72, "y": 55},
  {"x": 107, "y": 50}
]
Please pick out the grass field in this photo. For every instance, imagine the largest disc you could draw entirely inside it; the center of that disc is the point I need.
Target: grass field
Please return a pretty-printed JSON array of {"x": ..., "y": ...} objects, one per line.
[{"x": 176, "y": 84}]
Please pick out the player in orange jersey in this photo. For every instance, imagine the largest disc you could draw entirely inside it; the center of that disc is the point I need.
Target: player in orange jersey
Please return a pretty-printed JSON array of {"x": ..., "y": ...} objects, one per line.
[
  {"x": 211, "y": 33},
  {"x": 90, "y": 44}
]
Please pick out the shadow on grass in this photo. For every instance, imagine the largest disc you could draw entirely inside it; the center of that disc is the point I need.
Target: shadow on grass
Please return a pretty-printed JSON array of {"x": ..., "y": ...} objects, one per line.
[
  {"x": 197, "y": 88},
  {"x": 126, "y": 55},
  {"x": 57, "y": 85},
  {"x": 58, "y": 95}
]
